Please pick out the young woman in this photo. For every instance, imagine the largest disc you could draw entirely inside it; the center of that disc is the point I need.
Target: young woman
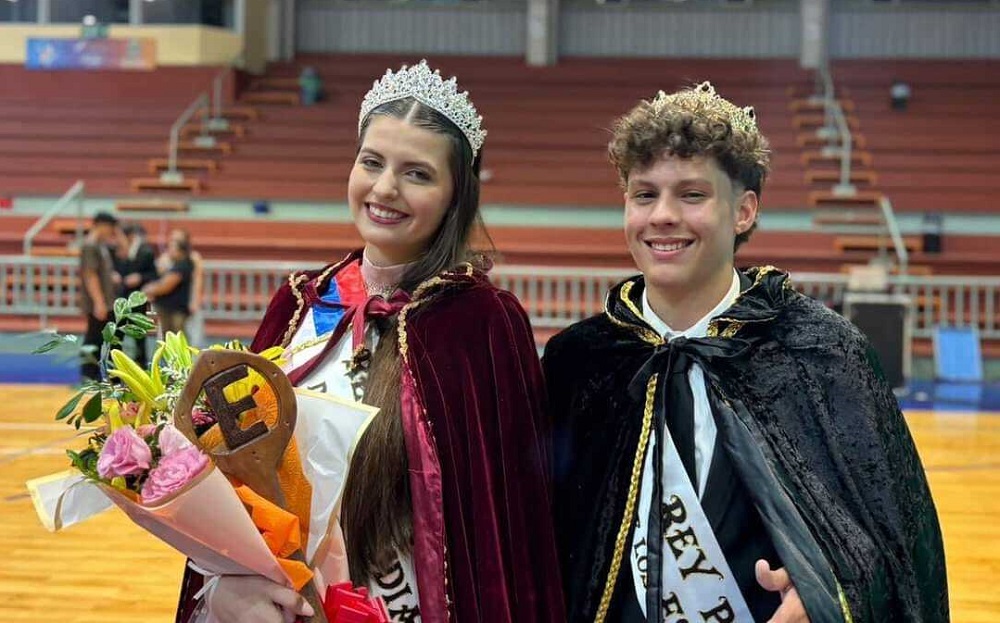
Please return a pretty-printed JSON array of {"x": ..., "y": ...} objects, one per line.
[
  {"x": 194, "y": 324},
  {"x": 171, "y": 293},
  {"x": 446, "y": 511}
]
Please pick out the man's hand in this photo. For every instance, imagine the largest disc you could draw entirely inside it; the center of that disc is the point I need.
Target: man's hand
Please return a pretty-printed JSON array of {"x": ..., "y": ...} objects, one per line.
[
  {"x": 791, "y": 609},
  {"x": 100, "y": 311}
]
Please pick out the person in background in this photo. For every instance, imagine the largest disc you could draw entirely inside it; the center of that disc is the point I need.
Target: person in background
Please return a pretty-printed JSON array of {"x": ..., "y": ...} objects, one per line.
[
  {"x": 900, "y": 94},
  {"x": 311, "y": 86},
  {"x": 196, "y": 320},
  {"x": 136, "y": 264},
  {"x": 171, "y": 293},
  {"x": 97, "y": 288}
]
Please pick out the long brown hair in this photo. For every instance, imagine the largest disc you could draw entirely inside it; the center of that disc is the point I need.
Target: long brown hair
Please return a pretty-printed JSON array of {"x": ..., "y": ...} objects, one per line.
[{"x": 376, "y": 514}]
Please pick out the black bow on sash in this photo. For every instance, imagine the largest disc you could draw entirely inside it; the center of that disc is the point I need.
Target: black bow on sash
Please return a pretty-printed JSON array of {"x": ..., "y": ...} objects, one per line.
[
  {"x": 673, "y": 407},
  {"x": 701, "y": 350}
]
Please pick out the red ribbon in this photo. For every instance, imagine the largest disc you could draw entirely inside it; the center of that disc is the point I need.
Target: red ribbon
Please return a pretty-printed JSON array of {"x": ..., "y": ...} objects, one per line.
[
  {"x": 344, "y": 604},
  {"x": 374, "y": 306}
]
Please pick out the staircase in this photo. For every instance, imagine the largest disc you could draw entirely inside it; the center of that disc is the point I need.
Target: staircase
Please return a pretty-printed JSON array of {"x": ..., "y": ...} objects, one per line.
[
  {"x": 843, "y": 185},
  {"x": 204, "y": 142}
]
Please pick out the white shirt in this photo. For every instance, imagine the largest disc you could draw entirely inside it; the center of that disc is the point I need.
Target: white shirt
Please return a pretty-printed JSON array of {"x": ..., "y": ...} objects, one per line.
[{"x": 704, "y": 423}]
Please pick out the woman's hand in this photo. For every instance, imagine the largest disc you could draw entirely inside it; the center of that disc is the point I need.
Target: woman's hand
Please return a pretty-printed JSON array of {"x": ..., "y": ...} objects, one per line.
[{"x": 253, "y": 599}]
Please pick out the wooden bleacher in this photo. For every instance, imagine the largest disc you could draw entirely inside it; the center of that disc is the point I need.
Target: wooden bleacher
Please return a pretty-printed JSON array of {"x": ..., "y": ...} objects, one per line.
[
  {"x": 939, "y": 155},
  {"x": 555, "y": 117}
]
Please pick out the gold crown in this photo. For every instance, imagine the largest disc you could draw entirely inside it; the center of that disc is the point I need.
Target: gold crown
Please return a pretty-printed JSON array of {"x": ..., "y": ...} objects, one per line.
[{"x": 702, "y": 100}]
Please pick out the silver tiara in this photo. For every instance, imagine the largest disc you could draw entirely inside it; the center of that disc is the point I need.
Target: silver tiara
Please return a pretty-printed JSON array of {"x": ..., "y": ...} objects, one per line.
[{"x": 428, "y": 88}]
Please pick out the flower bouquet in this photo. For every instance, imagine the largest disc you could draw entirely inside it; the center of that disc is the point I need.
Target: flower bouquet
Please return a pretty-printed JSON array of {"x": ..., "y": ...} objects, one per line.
[{"x": 164, "y": 446}]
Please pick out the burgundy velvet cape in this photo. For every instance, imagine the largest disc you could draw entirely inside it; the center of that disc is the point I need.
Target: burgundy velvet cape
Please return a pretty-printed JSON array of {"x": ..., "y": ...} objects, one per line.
[{"x": 478, "y": 443}]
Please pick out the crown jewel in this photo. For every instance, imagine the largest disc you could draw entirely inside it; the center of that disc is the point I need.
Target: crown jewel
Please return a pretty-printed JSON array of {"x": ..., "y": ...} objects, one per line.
[
  {"x": 428, "y": 88},
  {"x": 703, "y": 99}
]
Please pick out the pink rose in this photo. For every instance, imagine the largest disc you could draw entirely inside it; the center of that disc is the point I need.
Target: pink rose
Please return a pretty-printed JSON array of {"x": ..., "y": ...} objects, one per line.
[
  {"x": 146, "y": 430},
  {"x": 172, "y": 440},
  {"x": 124, "y": 454},
  {"x": 173, "y": 472}
]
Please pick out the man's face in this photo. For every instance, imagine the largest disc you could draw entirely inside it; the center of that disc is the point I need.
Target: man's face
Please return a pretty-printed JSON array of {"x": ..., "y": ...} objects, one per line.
[
  {"x": 682, "y": 216},
  {"x": 105, "y": 232}
]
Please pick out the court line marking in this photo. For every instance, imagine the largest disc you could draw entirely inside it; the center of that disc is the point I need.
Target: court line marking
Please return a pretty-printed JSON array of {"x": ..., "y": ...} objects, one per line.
[
  {"x": 9, "y": 455},
  {"x": 34, "y": 426},
  {"x": 17, "y": 452},
  {"x": 963, "y": 468}
]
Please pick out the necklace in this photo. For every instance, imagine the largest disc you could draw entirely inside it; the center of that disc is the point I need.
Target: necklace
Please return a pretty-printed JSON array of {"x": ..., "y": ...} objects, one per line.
[
  {"x": 309, "y": 343},
  {"x": 385, "y": 291}
]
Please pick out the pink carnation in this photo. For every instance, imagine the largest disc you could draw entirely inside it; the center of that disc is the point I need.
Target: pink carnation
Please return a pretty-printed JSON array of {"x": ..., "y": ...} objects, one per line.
[
  {"x": 201, "y": 417},
  {"x": 173, "y": 472},
  {"x": 124, "y": 454},
  {"x": 172, "y": 440},
  {"x": 130, "y": 411}
]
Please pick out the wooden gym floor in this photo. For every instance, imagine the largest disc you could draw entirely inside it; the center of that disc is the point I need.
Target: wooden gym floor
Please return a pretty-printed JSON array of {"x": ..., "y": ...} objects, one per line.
[{"x": 109, "y": 571}]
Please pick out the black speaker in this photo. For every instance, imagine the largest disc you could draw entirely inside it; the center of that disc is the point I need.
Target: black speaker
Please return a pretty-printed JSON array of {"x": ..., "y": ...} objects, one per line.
[
  {"x": 932, "y": 242},
  {"x": 887, "y": 322}
]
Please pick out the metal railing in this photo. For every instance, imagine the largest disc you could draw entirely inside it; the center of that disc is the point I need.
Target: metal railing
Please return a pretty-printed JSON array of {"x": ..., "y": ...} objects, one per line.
[
  {"x": 837, "y": 132},
  {"x": 892, "y": 225},
  {"x": 553, "y": 297},
  {"x": 172, "y": 175},
  {"x": 217, "y": 94},
  {"x": 218, "y": 122},
  {"x": 74, "y": 196}
]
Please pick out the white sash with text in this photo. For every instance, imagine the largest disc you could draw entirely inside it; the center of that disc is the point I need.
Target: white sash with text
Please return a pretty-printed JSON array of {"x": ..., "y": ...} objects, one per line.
[{"x": 698, "y": 585}]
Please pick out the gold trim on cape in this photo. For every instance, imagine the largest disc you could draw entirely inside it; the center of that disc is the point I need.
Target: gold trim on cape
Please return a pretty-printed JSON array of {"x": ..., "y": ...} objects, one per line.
[
  {"x": 645, "y": 333},
  {"x": 633, "y": 493}
]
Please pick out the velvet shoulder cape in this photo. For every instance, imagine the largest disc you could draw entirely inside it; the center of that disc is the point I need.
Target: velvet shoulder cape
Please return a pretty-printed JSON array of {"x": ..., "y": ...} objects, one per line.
[
  {"x": 478, "y": 444},
  {"x": 809, "y": 423}
]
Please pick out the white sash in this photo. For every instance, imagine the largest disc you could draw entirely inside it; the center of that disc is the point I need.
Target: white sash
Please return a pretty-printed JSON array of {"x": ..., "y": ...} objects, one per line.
[
  {"x": 697, "y": 582},
  {"x": 398, "y": 587}
]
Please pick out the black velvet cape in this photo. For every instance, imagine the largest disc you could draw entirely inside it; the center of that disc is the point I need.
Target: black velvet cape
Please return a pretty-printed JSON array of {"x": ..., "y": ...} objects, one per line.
[{"x": 812, "y": 430}]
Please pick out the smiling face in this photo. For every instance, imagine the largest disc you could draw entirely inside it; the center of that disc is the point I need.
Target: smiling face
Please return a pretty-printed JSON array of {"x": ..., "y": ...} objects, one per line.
[
  {"x": 682, "y": 216},
  {"x": 400, "y": 189}
]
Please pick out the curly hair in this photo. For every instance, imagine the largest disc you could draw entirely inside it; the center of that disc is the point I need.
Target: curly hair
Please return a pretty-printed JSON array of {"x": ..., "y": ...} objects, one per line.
[{"x": 692, "y": 122}]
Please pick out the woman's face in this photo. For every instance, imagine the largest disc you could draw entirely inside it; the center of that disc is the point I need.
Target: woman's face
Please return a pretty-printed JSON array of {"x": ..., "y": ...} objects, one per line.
[
  {"x": 174, "y": 249},
  {"x": 400, "y": 189}
]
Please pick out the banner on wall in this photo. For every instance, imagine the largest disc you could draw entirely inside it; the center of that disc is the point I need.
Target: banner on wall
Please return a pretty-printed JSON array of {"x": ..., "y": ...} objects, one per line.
[{"x": 129, "y": 54}]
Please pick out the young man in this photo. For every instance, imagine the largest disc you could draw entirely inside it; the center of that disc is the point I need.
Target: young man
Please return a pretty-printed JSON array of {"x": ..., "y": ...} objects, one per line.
[
  {"x": 97, "y": 287},
  {"x": 725, "y": 447},
  {"x": 137, "y": 267}
]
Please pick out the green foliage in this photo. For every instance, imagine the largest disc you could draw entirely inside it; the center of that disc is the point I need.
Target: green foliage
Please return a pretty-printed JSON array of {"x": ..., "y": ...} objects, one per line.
[
  {"x": 85, "y": 461},
  {"x": 70, "y": 406},
  {"x": 54, "y": 343}
]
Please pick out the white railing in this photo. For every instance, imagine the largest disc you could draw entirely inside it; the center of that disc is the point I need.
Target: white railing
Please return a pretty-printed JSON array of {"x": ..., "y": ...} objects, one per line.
[
  {"x": 892, "y": 224},
  {"x": 73, "y": 196},
  {"x": 554, "y": 297},
  {"x": 42, "y": 286},
  {"x": 172, "y": 175},
  {"x": 217, "y": 122},
  {"x": 837, "y": 132}
]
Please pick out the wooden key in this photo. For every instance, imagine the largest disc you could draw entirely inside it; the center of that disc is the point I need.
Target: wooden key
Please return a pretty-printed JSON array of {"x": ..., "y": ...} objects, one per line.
[{"x": 251, "y": 455}]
